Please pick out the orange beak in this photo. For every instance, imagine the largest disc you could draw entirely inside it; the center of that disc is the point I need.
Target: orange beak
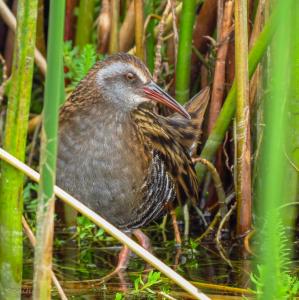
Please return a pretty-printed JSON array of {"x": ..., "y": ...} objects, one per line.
[{"x": 155, "y": 93}]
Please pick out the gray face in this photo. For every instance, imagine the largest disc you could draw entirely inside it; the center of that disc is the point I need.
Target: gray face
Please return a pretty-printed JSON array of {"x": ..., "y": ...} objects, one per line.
[{"x": 121, "y": 83}]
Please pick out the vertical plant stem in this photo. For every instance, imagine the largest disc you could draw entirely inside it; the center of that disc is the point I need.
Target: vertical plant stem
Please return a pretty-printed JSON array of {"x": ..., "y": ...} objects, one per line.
[
  {"x": 45, "y": 213},
  {"x": 292, "y": 150},
  {"x": 158, "y": 55},
  {"x": 114, "y": 35},
  {"x": 69, "y": 19},
  {"x": 104, "y": 26},
  {"x": 272, "y": 161},
  {"x": 184, "y": 51},
  {"x": 127, "y": 30},
  {"x": 150, "y": 36},
  {"x": 243, "y": 167},
  {"x": 40, "y": 34},
  {"x": 85, "y": 22},
  {"x": 139, "y": 24},
  {"x": 228, "y": 110},
  {"x": 219, "y": 75},
  {"x": 11, "y": 184}
]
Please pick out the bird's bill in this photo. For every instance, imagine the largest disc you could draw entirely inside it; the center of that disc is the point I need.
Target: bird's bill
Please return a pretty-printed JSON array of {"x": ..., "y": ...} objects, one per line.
[{"x": 154, "y": 92}]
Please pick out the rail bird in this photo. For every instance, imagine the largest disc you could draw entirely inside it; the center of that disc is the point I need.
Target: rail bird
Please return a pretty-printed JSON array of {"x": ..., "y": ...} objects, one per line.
[{"x": 117, "y": 155}]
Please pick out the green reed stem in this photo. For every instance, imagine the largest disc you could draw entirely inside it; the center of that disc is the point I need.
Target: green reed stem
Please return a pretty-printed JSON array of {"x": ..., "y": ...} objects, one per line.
[
  {"x": 85, "y": 22},
  {"x": 11, "y": 184},
  {"x": 150, "y": 36},
  {"x": 184, "y": 50},
  {"x": 45, "y": 213},
  {"x": 271, "y": 192}
]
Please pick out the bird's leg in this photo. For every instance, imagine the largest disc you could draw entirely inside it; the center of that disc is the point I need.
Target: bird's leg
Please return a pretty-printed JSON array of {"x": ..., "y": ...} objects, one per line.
[
  {"x": 143, "y": 239},
  {"x": 123, "y": 259},
  {"x": 122, "y": 264},
  {"x": 145, "y": 242},
  {"x": 177, "y": 234}
]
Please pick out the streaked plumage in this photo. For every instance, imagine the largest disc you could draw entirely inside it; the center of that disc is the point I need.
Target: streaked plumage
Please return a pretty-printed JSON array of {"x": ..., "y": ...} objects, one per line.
[{"x": 116, "y": 154}]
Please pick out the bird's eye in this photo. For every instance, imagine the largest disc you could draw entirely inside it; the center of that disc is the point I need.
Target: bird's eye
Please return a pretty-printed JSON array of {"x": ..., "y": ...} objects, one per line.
[{"x": 130, "y": 76}]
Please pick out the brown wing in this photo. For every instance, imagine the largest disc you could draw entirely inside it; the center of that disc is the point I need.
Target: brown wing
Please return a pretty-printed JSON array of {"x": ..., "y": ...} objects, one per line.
[{"x": 165, "y": 136}]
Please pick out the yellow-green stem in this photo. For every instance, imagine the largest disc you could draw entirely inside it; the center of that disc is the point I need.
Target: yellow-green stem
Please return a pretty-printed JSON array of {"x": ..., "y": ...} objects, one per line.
[
  {"x": 114, "y": 34},
  {"x": 243, "y": 165},
  {"x": 45, "y": 213},
  {"x": 139, "y": 24},
  {"x": 11, "y": 184}
]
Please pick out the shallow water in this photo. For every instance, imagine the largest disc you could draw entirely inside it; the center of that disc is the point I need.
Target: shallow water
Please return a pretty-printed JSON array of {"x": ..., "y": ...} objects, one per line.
[{"x": 81, "y": 263}]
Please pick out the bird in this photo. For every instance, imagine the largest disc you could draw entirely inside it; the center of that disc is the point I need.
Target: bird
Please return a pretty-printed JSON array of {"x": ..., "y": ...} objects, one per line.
[{"x": 118, "y": 155}]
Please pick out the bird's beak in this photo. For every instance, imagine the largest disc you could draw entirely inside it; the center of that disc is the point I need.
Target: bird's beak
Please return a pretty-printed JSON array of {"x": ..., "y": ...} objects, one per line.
[{"x": 154, "y": 92}]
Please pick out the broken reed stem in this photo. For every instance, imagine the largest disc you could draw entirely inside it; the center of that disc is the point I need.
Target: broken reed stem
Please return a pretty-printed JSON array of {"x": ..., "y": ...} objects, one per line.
[
  {"x": 184, "y": 51},
  {"x": 114, "y": 34},
  {"x": 10, "y": 20},
  {"x": 139, "y": 25},
  {"x": 158, "y": 56},
  {"x": 14, "y": 141},
  {"x": 109, "y": 228},
  {"x": 219, "y": 74},
  {"x": 228, "y": 110},
  {"x": 243, "y": 162},
  {"x": 45, "y": 211},
  {"x": 32, "y": 240}
]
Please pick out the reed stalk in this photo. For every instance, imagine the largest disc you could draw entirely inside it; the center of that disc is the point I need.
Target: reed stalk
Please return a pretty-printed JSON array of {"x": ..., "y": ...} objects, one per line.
[
  {"x": 292, "y": 149},
  {"x": 45, "y": 213},
  {"x": 243, "y": 162},
  {"x": 228, "y": 110},
  {"x": 11, "y": 183},
  {"x": 184, "y": 50},
  {"x": 219, "y": 73},
  {"x": 114, "y": 34},
  {"x": 85, "y": 22},
  {"x": 139, "y": 25},
  {"x": 271, "y": 192},
  {"x": 150, "y": 37},
  {"x": 127, "y": 30}
]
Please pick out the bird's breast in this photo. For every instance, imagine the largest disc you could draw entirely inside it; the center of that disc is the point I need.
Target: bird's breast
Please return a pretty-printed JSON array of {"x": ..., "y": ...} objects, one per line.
[{"x": 104, "y": 164}]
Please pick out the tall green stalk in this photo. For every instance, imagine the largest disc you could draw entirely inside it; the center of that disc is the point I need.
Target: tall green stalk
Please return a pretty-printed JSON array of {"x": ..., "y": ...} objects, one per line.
[
  {"x": 45, "y": 213},
  {"x": 228, "y": 110},
  {"x": 293, "y": 108},
  {"x": 184, "y": 50},
  {"x": 11, "y": 184},
  {"x": 271, "y": 192},
  {"x": 85, "y": 22},
  {"x": 150, "y": 36},
  {"x": 243, "y": 161}
]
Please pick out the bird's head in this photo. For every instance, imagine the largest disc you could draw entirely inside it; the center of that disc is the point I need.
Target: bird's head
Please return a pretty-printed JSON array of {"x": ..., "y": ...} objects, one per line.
[{"x": 125, "y": 81}]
